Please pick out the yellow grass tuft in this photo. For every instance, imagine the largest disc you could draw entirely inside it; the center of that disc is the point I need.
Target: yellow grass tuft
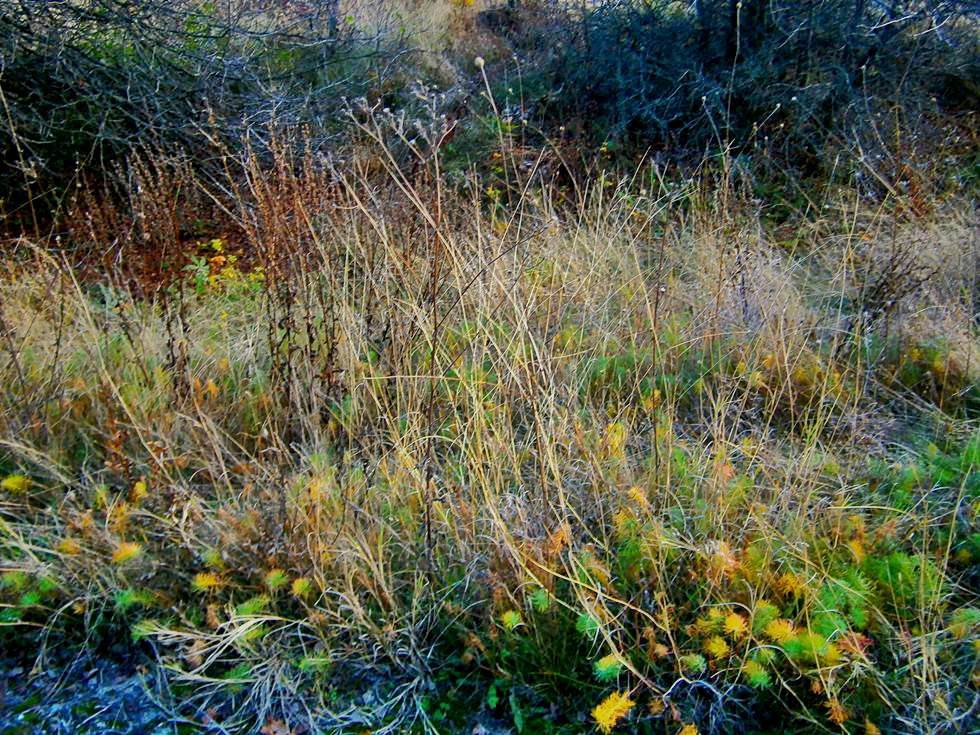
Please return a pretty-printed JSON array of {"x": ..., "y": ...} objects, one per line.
[
  {"x": 15, "y": 484},
  {"x": 126, "y": 551},
  {"x": 206, "y": 582},
  {"x": 611, "y": 710}
]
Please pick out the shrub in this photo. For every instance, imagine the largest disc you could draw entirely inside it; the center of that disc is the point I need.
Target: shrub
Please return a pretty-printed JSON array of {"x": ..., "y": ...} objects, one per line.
[
  {"x": 86, "y": 84},
  {"x": 783, "y": 78}
]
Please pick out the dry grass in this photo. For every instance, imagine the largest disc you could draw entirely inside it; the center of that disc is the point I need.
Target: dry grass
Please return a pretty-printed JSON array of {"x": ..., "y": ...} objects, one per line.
[{"x": 417, "y": 453}]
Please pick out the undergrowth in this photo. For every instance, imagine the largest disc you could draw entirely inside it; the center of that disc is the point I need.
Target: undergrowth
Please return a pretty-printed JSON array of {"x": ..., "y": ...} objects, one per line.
[{"x": 396, "y": 456}]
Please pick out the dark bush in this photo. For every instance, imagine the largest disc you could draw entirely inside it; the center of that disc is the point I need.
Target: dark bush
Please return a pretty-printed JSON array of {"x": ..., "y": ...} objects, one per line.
[{"x": 717, "y": 73}]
